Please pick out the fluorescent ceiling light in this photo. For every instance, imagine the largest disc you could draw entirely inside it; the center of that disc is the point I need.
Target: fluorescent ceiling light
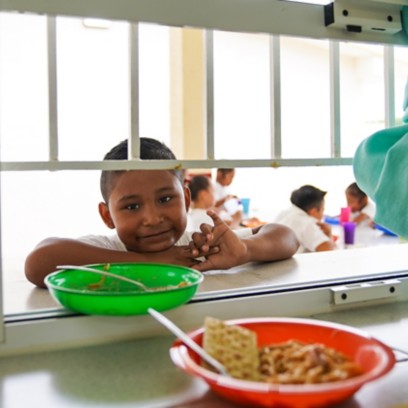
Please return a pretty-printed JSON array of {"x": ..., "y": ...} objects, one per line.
[
  {"x": 322, "y": 2},
  {"x": 96, "y": 23}
]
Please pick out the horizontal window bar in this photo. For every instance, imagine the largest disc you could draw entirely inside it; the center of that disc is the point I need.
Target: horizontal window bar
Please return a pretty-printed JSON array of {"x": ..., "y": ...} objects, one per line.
[
  {"x": 170, "y": 164},
  {"x": 264, "y": 16}
]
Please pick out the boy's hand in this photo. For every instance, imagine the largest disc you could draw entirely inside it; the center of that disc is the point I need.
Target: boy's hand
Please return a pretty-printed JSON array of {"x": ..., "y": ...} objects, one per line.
[
  {"x": 185, "y": 255},
  {"x": 178, "y": 255},
  {"x": 326, "y": 228},
  {"x": 231, "y": 250},
  {"x": 200, "y": 244}
]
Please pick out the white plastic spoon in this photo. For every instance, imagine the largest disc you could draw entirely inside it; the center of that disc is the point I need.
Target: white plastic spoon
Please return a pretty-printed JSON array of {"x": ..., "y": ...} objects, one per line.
[
  {"x": 188, "y": 341},
  {"x": 104, "y": 273}
]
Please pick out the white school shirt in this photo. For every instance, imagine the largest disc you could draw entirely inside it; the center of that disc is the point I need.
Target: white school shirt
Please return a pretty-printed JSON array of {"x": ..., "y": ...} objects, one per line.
[
  {"x": 230, "y": 207},
  {"x": 305, "y": 227},
  {"x": 196, "y": 217},
  {"x": 114, "y": 243},
  {"x": 220, "y": 191},
  {"x": 368, "y": 210}
]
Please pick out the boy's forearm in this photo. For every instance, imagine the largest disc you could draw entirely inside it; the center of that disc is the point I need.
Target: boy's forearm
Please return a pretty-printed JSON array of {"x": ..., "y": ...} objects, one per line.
[
  {"x": 360, "y": 218},
  {"x": 57, "y": 251},
  {"x": 272, "y": 242}
]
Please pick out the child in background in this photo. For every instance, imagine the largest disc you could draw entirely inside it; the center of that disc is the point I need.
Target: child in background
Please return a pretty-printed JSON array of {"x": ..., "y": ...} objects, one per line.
[
  {"x": 148, "y": 211},
  {"x": 304, "y": 217},
  {"x": 225, "y": 201},
  {"x": 362, "y": 209},
  {"x": 223, "y": 180},
  {"x": 202, "y": 199}
]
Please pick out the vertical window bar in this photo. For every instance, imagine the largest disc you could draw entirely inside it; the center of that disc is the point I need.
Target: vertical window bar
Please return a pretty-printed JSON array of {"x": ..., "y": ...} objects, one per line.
[
  {"x": 275, "y": 96},
  {"x": 389, "y": 86},
  {"x": 1, "y": 277},
  {"x": 52, "y": 87},
  {"x": 134, "y": 144},
  {"x": 335, "y": 124},
  {"x": 209, "y": 73}
]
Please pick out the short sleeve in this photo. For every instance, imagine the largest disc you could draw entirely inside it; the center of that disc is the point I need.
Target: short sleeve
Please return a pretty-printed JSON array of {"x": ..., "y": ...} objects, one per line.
[
  {"x": 102, "y": 241},
  {"x": 311, "y": 236}
]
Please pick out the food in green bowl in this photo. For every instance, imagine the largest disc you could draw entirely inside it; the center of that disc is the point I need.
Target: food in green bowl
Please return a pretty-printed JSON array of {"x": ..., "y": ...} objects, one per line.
[{"x": 89, "y": 293}]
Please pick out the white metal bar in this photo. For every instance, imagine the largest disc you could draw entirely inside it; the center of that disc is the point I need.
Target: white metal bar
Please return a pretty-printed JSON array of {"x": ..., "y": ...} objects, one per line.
[
  {"x": 389, "y": 86},
  {"x": 335, "y": 119},
  {"x": 134, "y": 144},
  {"x": 275, "y": 96},
  {"x": 52, "y": 88},
  {"x": 209, "y": 78},
  {"x": 170, "y": 164},
  {"x": 362, "y": 292},
  {"x": 45, "y": 333},
  {"x": 262, "y": 16},
  {"x": 2, "y": 329}
]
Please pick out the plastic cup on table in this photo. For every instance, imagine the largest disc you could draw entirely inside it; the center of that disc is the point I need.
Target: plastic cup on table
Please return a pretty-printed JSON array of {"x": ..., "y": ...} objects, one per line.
[
  {"x": 245, "y": 205},
  {"x": 349, "y": 232},
  {"x": 345, "y": 213},
  {"x": 232, "y": 205}
]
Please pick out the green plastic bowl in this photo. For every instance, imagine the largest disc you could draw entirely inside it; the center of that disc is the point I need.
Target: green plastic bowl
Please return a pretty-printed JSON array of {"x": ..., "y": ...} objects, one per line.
[{"x": 89, "y": 293}]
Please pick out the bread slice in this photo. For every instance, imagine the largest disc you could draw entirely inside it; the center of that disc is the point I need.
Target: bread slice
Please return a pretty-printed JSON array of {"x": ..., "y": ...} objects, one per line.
[{"x": 233, "y": 346}]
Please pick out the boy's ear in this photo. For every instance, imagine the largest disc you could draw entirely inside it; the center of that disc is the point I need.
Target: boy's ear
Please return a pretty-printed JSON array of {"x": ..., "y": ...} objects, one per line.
[
  {"x": 313, "y": 212},
  {"x": 310, "y": 212},
  {"x": 105, "y": 215},
  {"x": 187, "y": 197}
]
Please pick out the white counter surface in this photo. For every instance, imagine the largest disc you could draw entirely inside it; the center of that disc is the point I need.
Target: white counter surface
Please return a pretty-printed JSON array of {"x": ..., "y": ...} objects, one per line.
[
  {"x": 20, "y": 296},
  {"x": 140, "y": 373}
]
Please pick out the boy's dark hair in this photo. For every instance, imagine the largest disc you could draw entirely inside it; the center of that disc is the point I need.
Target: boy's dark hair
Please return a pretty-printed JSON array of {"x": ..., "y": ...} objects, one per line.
[
  {"x": 197, "y": 184},
  {"x": 355, "y": 191},
  {"x": 225, "y": 171},
  {"x": 150, "y": 149},
  {"x": 307, "y": 197}
]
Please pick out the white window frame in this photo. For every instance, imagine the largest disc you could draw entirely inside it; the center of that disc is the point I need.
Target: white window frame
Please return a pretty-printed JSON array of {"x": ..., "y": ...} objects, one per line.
[{"x": 296, "y": 19}]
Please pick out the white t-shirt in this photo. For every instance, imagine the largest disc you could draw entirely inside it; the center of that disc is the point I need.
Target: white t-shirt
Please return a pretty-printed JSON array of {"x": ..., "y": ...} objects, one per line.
[
  {"x": 114, "y": 243},
  {"x": 196, "y": 217},
  {"x": 308, "y": 233},
  {"x": 220, "y": 191},
  {"x": 231, "y": 206},
  {"x": 368, "y": 210}
]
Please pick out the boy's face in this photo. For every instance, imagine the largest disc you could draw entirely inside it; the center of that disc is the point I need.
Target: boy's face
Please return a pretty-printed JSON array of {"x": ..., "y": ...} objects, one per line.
[
  {"x": 209, "y": 197},
  {"x": 148, "y": 208},
  {"x": 355, "y": 203},
  {"x": 317, "y": 212},
  {"x": 226, "y": 178}
]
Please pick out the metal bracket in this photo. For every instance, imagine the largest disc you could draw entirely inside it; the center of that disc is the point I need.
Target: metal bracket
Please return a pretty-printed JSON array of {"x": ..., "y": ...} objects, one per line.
[
  {"x": 364, "y": 16},
  {"x": 362, "y": 292}
]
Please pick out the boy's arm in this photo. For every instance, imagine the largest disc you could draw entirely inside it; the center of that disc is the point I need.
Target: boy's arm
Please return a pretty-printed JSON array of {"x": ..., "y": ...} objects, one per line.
[
  {"x": 360, "y": 218},
  {"x": 271, "y": 242},
  {"x": 52, "y": 252},
  {"x": 328, "y": 245}
]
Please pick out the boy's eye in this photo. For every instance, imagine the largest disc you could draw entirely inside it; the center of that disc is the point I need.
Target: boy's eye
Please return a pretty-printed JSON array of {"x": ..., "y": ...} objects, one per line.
[
  {"x": 132, "y": 207},
  {"x": 165, "y": 199}
]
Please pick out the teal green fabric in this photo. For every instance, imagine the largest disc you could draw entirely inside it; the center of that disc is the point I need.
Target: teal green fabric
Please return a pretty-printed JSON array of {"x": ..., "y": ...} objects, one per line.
[{"x": 381, "y": 170}]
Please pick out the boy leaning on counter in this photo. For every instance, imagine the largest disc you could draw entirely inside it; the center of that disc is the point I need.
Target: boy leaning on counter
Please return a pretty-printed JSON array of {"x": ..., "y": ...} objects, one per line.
[
  {"x": 305, "y": 217},
  {"x": 148, "y": 211}
]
